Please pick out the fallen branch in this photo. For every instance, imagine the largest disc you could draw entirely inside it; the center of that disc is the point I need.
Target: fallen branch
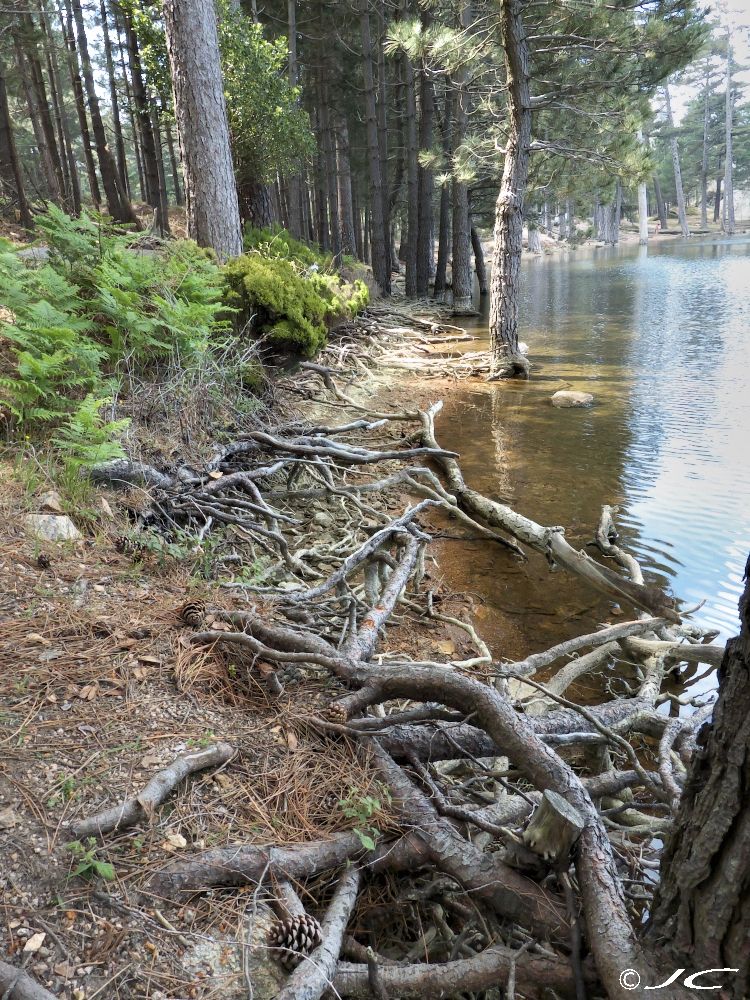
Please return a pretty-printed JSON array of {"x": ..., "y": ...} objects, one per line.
[
  {"x": 15, "y": 984},
  {"x": 143, "y": 806}
]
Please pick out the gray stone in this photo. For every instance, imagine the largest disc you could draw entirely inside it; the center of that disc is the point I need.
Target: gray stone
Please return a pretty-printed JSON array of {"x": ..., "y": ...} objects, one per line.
[
  {"x": 220, "y": 958},
  {"x": 52, "y": 527},
  {"x": 568, "y": 397}
]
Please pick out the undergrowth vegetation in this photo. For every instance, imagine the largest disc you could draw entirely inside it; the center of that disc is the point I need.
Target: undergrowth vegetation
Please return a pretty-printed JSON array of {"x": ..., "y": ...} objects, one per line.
[
  {"x": 290, "y": 292},
  {"x": 106, "y": 328}
]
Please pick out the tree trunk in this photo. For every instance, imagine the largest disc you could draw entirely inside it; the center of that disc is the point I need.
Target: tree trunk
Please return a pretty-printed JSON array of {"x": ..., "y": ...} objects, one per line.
[
  {"x": 380, "y": 236},
  {"x": 534, "y": 240},
  {"x": 149, "y": 152},
  {"x": 617, "y": 214},
  {"x": 122, "y": 164},
  {"x": 728, "y": 214},
  {"x": 681, "y": 214},
  {"x": 642, "y": 203},
  {"x": 294, "y": 183},
  {"x": 444, "y": 221},
  {"x": 444, "y": 242},
  {"x": 701, "y": 912},
  {"x": 425, "y": 181},
  {"x": 461, "y": 267},
  {"x": 704, "y": 157},
  {"x": 162, "y": 214},
  {"x": 69, "y": 165},
  {"x": 118, "y": 205},
  {"x": 11, "y": 179},
  {"x": 660, "y": 206},
  {"x": 329, "y": 163},
  {"x": 479, "y": 265},
  {"x": 174, "y": 166},
  {"x": 39, "y": 111},
  {"x": 357, "y": 220},
  {"x": 203, "y": 131},
  {"x": 382, "y": 119},
  {"x": 717, "y": 200},
  {"x": 412, "y": 175},
  {"x": 506, "y": 260},
  {"x": 349, "y": 242},
  {"x": 66, "y": 24}
]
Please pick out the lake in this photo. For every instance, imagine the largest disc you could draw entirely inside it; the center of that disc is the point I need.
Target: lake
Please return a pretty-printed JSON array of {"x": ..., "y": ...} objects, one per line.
[{"x": 661, "y": 337}]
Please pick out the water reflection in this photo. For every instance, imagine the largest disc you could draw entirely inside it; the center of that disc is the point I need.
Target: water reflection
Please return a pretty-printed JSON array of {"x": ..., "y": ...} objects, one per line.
[{"x": 662, "y": 340}]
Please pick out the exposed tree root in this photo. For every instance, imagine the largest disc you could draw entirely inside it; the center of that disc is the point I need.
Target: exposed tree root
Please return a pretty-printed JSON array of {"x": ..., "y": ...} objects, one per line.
[
  {"x": 15, "y": 984},
  {"x": 464, "y": 764}
]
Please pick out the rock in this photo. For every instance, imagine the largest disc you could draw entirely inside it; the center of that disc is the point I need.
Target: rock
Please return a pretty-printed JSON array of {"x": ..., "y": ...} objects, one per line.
[
  {"x": 52, "y": 527},
  {"x": 322, "y": 519},
  {"x": 568, "y": 397},
  {"x": 219, "y": 959},
  {"x": 51, "y": 503},
  {"x": 523, "y": 348}
]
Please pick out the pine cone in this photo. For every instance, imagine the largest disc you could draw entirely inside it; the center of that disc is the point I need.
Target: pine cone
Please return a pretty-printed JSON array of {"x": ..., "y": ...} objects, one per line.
[
  {"x": 295, "y": 938},
  {"x": 193, "y": 613},
  {"x": 336, "y": 712},
  {"x": 128, "y": 546},
  {"x": 43, "y": 561}
]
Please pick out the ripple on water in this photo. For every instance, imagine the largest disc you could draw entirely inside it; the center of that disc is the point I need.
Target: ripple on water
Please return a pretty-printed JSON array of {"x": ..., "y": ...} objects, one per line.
[{"x": 665, "y": 338}]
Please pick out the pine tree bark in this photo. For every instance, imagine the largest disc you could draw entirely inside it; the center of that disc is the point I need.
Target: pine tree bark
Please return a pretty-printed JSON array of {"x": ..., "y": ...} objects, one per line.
[
  {"x": 149, "y": 153},
  {"x": 425, "y": 177},
  {"x": 728, "y": 214},
  {"x": 506, "y": 260},
  {"x": 717, "y": 200},
  {"x": 349, "y": 244},
  {"x": 174, "y": 166},
  {"x": 69, "y": 165},
  {"x": 412, "y": 175},
  {"x": 701, "y": 912},
  {"x": 479, "y": 265},
  {"x": 704, "y": 156},
  {"x": 122, "y": 163},
  {"x": 461, "y": 267},
  {"x": 11, "y": 178},
  {"x": 27, "y": 57},
  {"x": 295, "y": 181},
  {"x": 66, "y": 24},
  {"x": 203, "y": 131},
  {"x": 674, "y": 146},
  {"x": 379, "y": 230},
  {"x": 661, "y": 208},
  {"x": 118, "y": 205}
]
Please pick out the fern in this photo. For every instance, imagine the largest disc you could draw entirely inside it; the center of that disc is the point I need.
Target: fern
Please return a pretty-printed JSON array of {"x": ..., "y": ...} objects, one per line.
[{"x": 86, "y": 439}]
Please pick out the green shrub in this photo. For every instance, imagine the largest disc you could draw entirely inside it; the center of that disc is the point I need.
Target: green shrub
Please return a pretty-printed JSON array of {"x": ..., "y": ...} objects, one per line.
[{"x": 290, "y": 291}]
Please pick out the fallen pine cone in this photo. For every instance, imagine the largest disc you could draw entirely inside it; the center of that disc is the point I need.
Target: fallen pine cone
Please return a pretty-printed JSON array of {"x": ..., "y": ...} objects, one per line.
[
  {"x": 298, "y": 936},
  {"x": 43, "y": 561},
  {"x": 128, "y": 546},
  {"x": 193, "y": 613}
]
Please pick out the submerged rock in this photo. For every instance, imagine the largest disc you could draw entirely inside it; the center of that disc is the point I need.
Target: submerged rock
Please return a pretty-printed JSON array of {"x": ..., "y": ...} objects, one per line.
[
  {"x": 52, "y": 527},
  {"x": 568, "y": 397}
]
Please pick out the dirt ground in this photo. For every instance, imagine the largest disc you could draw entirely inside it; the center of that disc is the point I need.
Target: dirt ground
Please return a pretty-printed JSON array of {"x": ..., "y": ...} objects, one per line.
[{"x": 100, "y": 689}]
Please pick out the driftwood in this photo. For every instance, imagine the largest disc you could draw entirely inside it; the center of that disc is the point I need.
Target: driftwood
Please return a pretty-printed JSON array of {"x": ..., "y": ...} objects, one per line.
[{"x": 141, "y": 807}]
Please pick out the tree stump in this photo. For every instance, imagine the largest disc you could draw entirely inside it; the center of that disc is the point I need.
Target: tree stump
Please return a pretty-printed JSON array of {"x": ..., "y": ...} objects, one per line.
[{"x": 553, "y": 828}]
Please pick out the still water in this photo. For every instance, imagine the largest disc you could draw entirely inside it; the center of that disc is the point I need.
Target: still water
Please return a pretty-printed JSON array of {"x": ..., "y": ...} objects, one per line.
[{"x": 661, "y": 337}]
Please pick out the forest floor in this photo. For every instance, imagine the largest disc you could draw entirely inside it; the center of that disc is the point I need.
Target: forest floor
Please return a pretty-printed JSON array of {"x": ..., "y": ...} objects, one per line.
[{"x": 101, "y": 689}]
